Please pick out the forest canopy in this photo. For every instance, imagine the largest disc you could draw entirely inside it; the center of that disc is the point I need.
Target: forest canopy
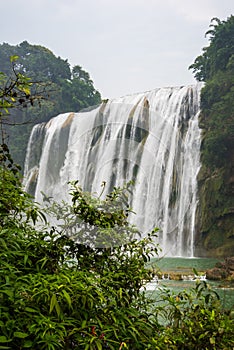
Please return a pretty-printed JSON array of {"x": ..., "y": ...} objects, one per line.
[
  {"x": 219, "y": 54},
  {"x": 68, "y": 89},
  {"x": 216, "y": 67}
]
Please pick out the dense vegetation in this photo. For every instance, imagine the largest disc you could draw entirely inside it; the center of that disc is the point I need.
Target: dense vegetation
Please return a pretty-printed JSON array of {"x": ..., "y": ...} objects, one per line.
[
  {"x": 59, "y": 293},
  {"x": 65, "y": 89},
  {"x": 216, "y": 68}
]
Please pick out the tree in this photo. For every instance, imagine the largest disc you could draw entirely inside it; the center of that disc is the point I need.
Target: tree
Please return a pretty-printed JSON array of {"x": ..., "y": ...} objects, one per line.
[
  {"x": 216, "y": 67},
  {"x": 35, "y": 61},
  {"x": 17, "y": 91},
  {"x": 68, "y": 90},
  {"x": 218, "y": 54}
]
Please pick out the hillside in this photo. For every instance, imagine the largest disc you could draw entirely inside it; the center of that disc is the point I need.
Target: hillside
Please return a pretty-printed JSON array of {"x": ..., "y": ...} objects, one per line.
[{"x": 64, "y": 89}]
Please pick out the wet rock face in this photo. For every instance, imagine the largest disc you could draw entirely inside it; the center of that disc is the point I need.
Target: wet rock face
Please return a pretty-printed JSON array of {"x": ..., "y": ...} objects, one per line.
[
  {"x": 222, "y": 270},
  {"x": 215, "y": 213}
]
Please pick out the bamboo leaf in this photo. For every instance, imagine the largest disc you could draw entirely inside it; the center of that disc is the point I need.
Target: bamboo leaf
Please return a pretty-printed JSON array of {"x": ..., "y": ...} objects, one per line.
[
  {"x": 25, "y": 259},
  {"x": 14, "y": 58},
  {"x": 29, "y": 309},
  {"x": 7, "y": 292},
  {"x": 3, "y": 339},
  {"x": 57, "y": 308},
  {"x": 28, "y": 344},
  {"x": 67, "y": 297},
  {"x": 20, "y": 335},
  {"x": 52, "y": 303},
  {"x": 99, "y": 345}
]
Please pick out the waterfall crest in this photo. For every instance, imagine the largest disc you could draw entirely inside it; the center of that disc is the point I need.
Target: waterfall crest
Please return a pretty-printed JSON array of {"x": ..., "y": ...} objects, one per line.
[{"x": 151, "y": 137}]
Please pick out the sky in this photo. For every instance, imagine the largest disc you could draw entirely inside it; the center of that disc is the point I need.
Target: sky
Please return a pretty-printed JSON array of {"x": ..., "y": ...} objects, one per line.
[{"x": 127, "y": 46}]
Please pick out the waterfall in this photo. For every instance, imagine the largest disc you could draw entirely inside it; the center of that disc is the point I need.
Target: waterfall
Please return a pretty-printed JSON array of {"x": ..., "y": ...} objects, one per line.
[{"x": 151, "y": 137}]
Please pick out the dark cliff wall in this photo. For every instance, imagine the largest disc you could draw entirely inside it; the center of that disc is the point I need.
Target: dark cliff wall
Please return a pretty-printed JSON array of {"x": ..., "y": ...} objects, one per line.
[{"x": 215, "y": 214}]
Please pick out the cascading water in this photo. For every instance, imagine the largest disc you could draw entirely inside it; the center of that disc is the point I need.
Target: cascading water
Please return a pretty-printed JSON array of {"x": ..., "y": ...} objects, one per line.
[{"x": 150, "y": 137}]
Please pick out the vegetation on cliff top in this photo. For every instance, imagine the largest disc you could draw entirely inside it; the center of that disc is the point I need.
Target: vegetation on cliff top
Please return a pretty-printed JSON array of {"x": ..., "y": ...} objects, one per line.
[
  {"x": 66, "y": 89},
  {"x": 216, "y": 68}
]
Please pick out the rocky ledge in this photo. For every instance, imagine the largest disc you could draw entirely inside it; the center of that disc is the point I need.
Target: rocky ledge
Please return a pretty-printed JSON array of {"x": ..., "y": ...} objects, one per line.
[{"x": 222, "y": 271}]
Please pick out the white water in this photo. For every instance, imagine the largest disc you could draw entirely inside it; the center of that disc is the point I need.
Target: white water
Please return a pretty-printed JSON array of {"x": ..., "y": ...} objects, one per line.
[{"x": 152, "y": 137}]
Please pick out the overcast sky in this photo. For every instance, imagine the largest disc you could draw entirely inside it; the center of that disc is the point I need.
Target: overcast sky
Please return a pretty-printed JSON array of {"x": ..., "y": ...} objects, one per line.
[{"x": 127, "y": 46}]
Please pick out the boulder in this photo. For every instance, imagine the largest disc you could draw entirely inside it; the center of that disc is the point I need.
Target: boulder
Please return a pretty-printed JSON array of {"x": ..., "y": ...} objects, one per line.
[
  {"x": 216, "y": 274},
  {"x": 229, "y": 262},
  {"x": 222, "y": 270}
]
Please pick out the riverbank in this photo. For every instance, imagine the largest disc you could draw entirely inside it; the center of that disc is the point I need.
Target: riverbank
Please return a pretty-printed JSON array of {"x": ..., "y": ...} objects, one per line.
[
  {"x": 177, "y": 266},
  {"x": 182, "y": 274},
  {"x": 194, "y": 269}
]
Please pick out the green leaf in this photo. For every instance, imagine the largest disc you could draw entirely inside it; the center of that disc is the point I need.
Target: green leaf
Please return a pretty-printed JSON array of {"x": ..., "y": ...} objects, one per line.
[
  {"x": 3, "y": 244},
  {"x": 14, "y": 58},
  {"x": 26, "y": 90},
  {"x": 99, "y": 345},
  {"x": 52, "y": 303},
  {"x": 7, "y": 292},
  {"x": 67, "y": 297},
  {"x": 28, "y": 344},
  {"x": 57, "y": 308},
  {"x": 212, "y": 340},
  {"x": 25, "y": 259},
  {"x": 20, "y": 335},
  {"x": 83, "y": 298},
  {"x": 83, "y": 324},
  {"x": 29, "y": 309},
  {"x": 4, "y": 339}
]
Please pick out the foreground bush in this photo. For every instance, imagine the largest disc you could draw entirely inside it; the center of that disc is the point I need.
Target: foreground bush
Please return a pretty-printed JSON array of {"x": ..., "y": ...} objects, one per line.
[
  {"x": 194, "y": 320},
  {"x": 59, "y": 294}
]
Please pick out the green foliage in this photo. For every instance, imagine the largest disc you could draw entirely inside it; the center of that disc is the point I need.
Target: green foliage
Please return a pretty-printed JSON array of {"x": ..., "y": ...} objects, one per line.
[
  {"x": 15, "y": 204},
  {"x": 216, "y": 67},
  {"x": 18, "y": 94},
  {"x": 16, "y": 90},
  {"x": 57, "y": 293},
  {"x": 217, "y": 55},
  {"x": 94, "y": 221},
  {"x": 194, "y": 320},
  {"x": 65, "y": 90},
  {"x": 60, "y": 294},
  {"x": 104, "y": 221},
  {"x": 217, "y": 118}
]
